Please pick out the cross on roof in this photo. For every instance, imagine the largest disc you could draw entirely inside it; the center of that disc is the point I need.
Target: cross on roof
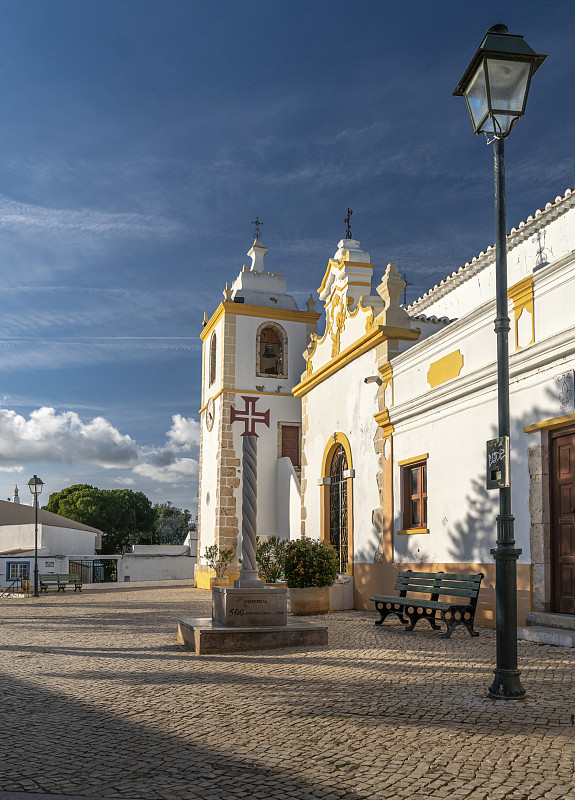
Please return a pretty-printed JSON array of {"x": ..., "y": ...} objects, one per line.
[
  {"x": 257, "y": 222},
  {"x": 346, "y": 220},
  {"x": 407, "y": 283}
]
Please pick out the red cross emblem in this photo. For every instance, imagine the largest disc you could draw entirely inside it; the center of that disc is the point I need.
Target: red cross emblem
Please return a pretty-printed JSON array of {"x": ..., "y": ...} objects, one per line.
[{"x": 249, "y": 416}]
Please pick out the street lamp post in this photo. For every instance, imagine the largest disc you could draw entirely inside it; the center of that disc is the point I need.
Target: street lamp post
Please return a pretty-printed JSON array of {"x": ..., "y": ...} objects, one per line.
[
  {"x": 35, "y": 485},
  {"x": 495, "y": 86}
]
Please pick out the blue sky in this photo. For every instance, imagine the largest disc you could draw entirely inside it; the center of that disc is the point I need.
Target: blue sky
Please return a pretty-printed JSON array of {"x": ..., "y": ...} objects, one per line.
[{"x": 139, "y": 138}]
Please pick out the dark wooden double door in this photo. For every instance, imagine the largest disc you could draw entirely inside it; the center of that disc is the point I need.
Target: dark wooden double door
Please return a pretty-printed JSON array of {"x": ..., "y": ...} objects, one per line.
[{"x": 563, "y": 521}]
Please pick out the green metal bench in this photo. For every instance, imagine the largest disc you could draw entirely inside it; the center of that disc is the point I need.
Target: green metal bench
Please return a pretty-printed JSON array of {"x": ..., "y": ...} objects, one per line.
[
  {"x": 433, "y": 585},
  {"x": 59, "y": 579}
]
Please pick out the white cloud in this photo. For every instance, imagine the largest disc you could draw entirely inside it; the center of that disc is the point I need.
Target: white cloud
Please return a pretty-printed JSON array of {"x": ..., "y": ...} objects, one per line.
[
  {"x": 24, "y": 216},
  {"x": 178, "y": 471},
  {"x": 124, "y": 481},
  {"x": 62, "y": 438},
  {"x": 51, "y": 437},
  {"x": 185, "y": 431}
]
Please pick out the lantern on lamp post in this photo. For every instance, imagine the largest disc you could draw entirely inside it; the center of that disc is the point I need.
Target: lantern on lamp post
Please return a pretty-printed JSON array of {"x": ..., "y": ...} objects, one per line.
[
  {"x": 495, "y": 86},
  {"x": 35, "y": 485}
]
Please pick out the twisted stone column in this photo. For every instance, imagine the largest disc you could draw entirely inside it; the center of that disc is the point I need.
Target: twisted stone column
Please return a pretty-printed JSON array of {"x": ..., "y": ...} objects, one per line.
[{"x": 249, "y": 570}]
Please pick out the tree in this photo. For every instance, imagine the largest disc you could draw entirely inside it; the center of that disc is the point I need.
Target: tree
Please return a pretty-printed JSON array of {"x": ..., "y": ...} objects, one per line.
[
  {"x": 173, "y": 524},
  {"x": 125, "y": 517}
]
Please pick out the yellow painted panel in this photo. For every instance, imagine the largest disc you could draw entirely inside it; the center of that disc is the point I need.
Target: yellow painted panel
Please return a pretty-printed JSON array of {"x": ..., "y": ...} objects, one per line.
[{"x": 444, "y": 369}]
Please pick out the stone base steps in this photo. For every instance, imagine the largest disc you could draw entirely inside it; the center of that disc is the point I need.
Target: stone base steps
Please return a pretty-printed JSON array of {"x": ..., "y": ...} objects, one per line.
[
  {"x": 547, "y": 619},
  {"x": 560, "y": 637}
]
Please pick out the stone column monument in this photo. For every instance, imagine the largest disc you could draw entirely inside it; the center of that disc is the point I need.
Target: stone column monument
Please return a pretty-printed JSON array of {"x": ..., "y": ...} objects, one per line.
[{"x": 249, "y": 615}]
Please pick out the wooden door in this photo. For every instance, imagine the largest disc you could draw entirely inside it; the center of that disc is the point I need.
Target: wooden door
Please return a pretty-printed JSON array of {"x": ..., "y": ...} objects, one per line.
[
  {"x": 563, "y": 521},
  {"x": 290, "y": 443}
]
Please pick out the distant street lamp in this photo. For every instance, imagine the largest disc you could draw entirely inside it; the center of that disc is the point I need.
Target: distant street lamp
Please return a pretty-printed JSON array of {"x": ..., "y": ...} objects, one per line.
[
  {"x": 495, "y": 86},
  {"x": 35, "y": 485}
]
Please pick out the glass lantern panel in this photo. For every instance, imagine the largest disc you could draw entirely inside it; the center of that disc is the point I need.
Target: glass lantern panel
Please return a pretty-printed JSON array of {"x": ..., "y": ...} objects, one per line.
[
  {"x": 508, "y": 82},
  {"x": 476, "y": 96}
]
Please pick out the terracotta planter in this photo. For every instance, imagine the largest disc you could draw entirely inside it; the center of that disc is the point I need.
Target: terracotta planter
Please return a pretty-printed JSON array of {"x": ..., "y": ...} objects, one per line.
[
  {"x": 225, "y": 581},
  {"x": 312, "y": 600}
]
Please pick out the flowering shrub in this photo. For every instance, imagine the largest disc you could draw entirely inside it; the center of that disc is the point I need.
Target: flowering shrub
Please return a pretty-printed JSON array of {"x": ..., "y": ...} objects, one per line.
[
  {"x": 310, "y": 563},
  {"x": 270, "y": 555},
  {"x": 219, "y": 559}
]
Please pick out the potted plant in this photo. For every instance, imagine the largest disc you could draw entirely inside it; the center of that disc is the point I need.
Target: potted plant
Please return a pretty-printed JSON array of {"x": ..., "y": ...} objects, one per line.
[
  {"x": 310, "y": 569},
  {"x": 270, "y": 557},
  {"x": 219, "y": 559}
]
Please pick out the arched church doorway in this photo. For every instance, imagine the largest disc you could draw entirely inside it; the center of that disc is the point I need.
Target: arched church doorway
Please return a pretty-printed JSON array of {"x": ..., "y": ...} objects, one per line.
[
  {"x": 338, "y": 506},
  {"x": 336, "y": 487}
]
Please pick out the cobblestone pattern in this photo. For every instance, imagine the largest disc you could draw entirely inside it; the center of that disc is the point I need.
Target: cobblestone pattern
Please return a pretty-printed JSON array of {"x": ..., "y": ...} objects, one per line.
[{"x": 98, "y": 700}]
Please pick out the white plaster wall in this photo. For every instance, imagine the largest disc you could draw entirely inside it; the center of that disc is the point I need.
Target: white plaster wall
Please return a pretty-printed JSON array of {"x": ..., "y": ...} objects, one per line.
[
  {"x": 288, "y": 500},
  {"x": 207, "y": 501},
  {"x": 55, "y": 539},
  {"x": 554, "y": 294},
  {"x": 149, "y": 568},
  {"x": 209, "y": 391},
  {"x": 67, "y": 540},
  {"x": 453, "y": 421},
  {"x": 160, "y": 549},
  {"x": 343, "y": 402},
  {"x": 474, "y": 338}
]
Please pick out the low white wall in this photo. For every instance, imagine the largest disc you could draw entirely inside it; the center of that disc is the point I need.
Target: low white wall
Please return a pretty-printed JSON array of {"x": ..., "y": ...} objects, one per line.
[
  {"x": 134, "y": 567},
  {"x": 288, "y": 500},
  {"x": 160, "y": 549}
]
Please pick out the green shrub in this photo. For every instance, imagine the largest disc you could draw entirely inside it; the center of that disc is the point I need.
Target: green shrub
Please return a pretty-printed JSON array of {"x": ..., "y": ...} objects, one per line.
[
  {"x": 270, "y": 557},
  {"x": 219, "y": 558},
  {"x": 310, "y": 563}
]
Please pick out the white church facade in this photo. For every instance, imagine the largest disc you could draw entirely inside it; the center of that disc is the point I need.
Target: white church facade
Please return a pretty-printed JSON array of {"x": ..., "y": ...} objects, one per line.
[{"x": 395, "y": 407}]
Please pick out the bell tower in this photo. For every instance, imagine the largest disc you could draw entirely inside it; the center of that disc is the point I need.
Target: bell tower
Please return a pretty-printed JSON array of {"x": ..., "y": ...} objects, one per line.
[{"x": 252, "y": 357}]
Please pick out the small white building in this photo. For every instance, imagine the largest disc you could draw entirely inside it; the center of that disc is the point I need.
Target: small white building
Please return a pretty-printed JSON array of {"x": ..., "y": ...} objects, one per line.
[{"x": 60, "y": 540}]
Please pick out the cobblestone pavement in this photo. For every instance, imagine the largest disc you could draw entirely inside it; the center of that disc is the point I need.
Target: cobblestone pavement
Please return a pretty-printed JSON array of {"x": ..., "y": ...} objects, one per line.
[{"x": 98, "y": 700}]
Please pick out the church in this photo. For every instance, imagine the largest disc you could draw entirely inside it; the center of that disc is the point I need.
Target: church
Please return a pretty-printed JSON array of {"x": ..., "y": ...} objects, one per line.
[{"x": 372, "y": 417}]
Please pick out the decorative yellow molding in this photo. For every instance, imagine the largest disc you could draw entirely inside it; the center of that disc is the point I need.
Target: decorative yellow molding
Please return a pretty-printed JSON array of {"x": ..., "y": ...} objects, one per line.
[
  {"x": 386, "y": 380},
  {"x": 338, "y": 438},
  {"x": 551, "y": 424},
  {"x": 243, "y": 310},
  {"x": 339, "y": 265},
  {"x": 412, "y": 460},
  {"x": 412, "y": 530},
  {"x": 379, "y": 334},
  {"x": 215, "y": 397},
  {"x": 245, "y": 391},
  {"x": 521, "y": 294},
  {"x": 444, "y": 369},
  {"x": 382, "y": 419}
]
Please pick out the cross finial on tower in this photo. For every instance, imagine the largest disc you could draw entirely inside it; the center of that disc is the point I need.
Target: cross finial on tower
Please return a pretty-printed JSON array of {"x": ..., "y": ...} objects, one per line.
[
  {"x": 346, "y": 220},
  {"x": 257, "y": 222},
  {"x": 407, "y": 283}
]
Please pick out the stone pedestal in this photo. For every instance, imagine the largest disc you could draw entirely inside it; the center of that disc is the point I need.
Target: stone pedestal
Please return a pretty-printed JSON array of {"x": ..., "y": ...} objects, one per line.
[
  {"x": 205, "y": 637},
  {"x": 246, "y": 619},
  {"x": 247, "y": 607}
]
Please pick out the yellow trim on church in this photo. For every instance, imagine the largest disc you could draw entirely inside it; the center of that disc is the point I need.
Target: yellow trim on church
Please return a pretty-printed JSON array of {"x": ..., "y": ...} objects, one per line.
[
  {"x": 244, "y": 310},
  {"x": 551, "y": 424},
  {"x": 521, "y": 294},
  {"x": 378, "y": 335},
  {"x": 444, "y": 369},
  {"x": 339, "y": 265}
]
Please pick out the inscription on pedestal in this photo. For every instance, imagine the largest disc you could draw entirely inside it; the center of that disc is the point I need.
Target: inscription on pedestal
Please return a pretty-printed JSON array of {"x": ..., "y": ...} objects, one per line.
[{"x": 235, "y": 607}]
